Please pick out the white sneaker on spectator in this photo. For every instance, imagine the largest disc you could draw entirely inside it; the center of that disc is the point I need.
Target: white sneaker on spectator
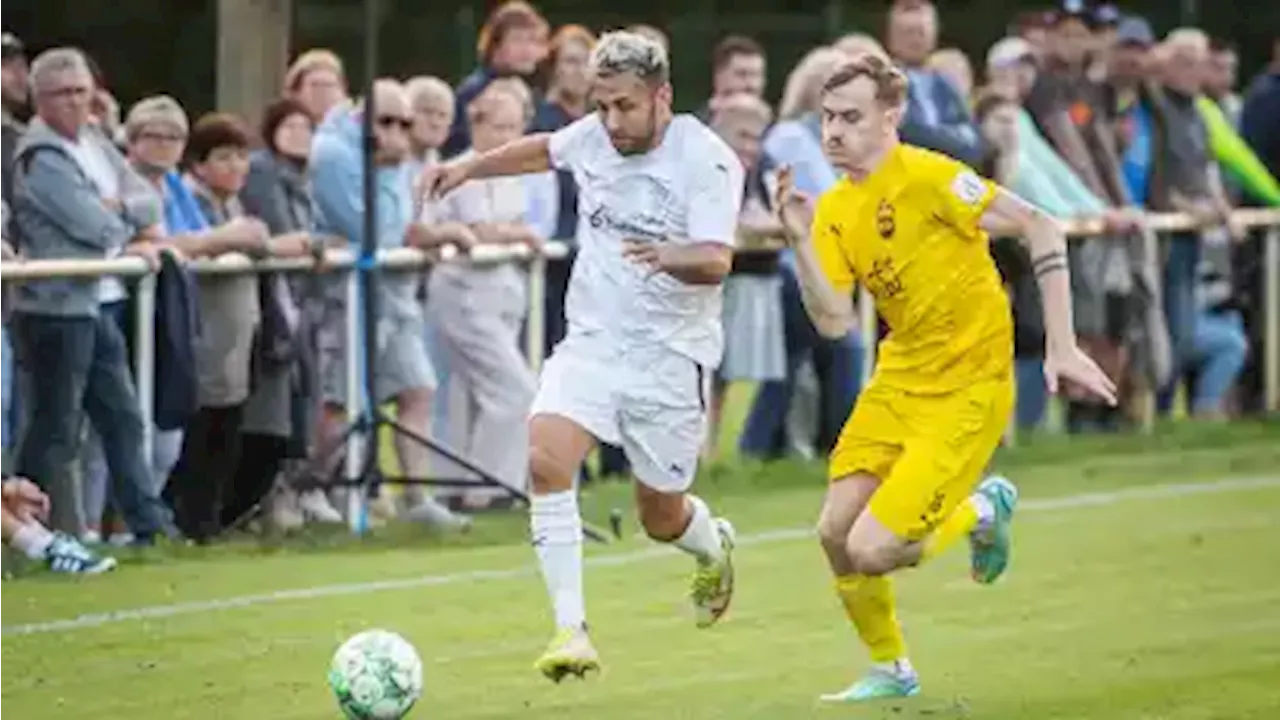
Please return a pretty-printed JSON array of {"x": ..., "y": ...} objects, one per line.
[
  {"x": 430, "y": 512},
  {"x": 91, "y": 537},
  {"x": 120, "y": 539},
  {"x": 315, "y": 507},
  {"x": 66, "y": 555},
  {"x": 285, "y": 513}
]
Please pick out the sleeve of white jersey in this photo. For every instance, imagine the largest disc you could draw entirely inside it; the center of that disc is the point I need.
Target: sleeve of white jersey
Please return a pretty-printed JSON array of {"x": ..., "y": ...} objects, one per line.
[
  {"x": 570, "y": 144},
  {"x": 715, "y": 196}
]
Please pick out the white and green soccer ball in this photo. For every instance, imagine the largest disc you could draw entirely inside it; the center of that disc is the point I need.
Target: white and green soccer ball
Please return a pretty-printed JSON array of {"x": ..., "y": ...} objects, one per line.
[{"x": 376, "y": 675}]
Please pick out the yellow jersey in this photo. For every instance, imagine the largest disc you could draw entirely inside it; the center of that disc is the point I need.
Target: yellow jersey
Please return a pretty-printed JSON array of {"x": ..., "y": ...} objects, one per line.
[{"x": 910, "y": 234}]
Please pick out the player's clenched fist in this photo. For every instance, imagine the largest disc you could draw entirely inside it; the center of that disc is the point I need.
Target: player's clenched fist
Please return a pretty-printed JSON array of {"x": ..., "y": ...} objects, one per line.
[{"x": 794, "y": 208}]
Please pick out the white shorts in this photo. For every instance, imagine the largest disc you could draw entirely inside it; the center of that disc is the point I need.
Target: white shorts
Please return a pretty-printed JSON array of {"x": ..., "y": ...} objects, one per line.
[{"x": 654, "y": 407}]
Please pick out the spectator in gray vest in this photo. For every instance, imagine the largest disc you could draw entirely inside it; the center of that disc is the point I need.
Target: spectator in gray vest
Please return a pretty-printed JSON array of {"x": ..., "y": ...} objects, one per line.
[{"x": 72, "y": 201}]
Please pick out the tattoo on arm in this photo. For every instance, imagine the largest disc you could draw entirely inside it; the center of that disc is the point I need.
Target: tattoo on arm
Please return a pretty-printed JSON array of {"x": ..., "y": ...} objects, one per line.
[{"x": 1048, "y": 263}]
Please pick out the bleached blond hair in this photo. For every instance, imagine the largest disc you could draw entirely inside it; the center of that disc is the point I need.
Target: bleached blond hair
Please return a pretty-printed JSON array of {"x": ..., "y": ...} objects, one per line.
[{"x": 623, "y": 52}]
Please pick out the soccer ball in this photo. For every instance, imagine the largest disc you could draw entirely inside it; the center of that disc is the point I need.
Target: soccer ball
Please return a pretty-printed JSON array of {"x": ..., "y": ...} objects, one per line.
[{"x": 376, "y": 675}]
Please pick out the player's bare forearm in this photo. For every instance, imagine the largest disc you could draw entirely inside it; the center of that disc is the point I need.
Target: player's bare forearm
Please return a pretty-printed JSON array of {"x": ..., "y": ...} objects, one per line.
[
  {"x": 1047, "y": 244},
  {"x": 830, "y": 310},
  {"x": 699, "y": 263},
  {"x": 529, "y": 154}
]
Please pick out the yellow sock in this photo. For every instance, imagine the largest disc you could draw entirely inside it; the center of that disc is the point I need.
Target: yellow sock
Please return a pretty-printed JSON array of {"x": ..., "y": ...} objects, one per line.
[
  {"x": 958, "y": 524},
  {"x": 868, "y": 601}
]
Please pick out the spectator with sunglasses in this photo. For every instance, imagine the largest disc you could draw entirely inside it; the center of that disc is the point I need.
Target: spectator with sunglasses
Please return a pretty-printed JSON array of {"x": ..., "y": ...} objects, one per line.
[{"x": 402, "y": 370}]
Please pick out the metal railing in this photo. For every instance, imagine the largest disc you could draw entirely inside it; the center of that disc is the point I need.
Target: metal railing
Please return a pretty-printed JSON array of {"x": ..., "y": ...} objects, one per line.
[
  {"x": 336, "y": 261},
  {"x": 404, "y": 259}
]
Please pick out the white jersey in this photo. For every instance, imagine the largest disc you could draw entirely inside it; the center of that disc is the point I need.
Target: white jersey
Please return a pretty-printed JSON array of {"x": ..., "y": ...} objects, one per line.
[{"x": 686, "y": 190}]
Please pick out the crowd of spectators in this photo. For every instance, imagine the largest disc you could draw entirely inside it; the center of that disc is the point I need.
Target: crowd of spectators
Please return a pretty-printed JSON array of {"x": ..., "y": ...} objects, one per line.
[{"x": 1081, "y": 109}]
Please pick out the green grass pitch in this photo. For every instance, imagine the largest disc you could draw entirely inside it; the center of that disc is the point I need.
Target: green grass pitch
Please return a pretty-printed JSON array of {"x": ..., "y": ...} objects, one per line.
[{"x": 1145, "y": 586}]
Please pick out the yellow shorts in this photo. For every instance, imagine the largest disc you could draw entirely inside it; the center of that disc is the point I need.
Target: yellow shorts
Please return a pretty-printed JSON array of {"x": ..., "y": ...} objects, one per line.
[{"x": 928, "y": 451}]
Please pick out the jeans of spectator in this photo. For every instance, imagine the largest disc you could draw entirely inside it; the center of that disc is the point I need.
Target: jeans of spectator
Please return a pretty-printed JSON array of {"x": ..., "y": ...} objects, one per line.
[
  {"x": 1033, "y": 396},
  {"x": 1180, "y": 310},
  {"x": 1221, "y": 348},
  {"x": 839, "y": 367},
  {"x": 8, "y": 393},
  {"x": 73, "y": 366},
  {"x": 166, "y": 447},
  {"x": 94, "y": 478}
]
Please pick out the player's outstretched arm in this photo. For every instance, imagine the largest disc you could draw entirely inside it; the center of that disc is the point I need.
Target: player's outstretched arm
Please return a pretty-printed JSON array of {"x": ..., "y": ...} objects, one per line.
[
  {"x": 1047, "y": 245},
  {"x": 529, "y": 154}
]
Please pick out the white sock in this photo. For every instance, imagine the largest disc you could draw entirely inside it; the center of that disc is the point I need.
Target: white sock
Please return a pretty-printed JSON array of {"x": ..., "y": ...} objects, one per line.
[
  {"x": 986, "y": 512},
  {"x": 33, "y": 539},
  {"x": 701, "y": 539},
  {"x": 557, "y": 538}
]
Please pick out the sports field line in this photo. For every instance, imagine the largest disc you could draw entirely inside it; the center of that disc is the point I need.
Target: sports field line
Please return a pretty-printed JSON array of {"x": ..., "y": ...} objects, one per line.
[{"x": 154, "y": 612}]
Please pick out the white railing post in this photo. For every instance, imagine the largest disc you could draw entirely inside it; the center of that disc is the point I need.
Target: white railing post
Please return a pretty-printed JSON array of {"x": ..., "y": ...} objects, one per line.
[
  {"x": 144, "y": 361},
  {"x": 535, "y": 328},
  {"x": 356, "y": 501},
  {"x": 1271, "y": 319}
]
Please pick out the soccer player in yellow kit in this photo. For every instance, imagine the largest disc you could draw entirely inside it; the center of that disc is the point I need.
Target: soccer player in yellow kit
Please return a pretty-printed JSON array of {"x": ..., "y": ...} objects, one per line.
[{"x": 911, "y": 225}]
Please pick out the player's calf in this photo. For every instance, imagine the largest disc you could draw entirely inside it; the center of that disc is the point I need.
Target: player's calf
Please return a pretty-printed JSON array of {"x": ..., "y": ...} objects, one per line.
[
  {"x": 846, "y": 499},
  {"x": 556, "y": 448},
  {"x": 686, "y": 522}
]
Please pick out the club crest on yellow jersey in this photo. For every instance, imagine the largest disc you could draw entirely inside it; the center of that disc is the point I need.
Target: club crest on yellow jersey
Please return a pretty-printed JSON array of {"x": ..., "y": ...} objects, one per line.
[{"x": 886, "y": 225}]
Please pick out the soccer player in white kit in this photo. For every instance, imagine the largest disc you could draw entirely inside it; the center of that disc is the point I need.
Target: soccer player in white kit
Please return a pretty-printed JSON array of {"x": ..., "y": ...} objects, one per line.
[{"x": 658, "y": 205}]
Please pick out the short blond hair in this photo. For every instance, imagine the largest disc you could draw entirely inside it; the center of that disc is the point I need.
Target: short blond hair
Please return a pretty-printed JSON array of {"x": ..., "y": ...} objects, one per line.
[
  {"x": 155, "y": 110},
  {"x": 857, "y": 43},
  {"x": 309, "y": 62},
  {"x": 424, "y": 87},
  {"x": 1191, "y": 39},
  {"x": 507, "y": 87}
]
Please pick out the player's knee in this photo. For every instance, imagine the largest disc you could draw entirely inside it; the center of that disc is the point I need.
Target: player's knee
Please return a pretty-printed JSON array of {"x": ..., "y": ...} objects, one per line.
[
  {"x": 832, "y": 534},
  {"x": 871, "y": 559}
]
